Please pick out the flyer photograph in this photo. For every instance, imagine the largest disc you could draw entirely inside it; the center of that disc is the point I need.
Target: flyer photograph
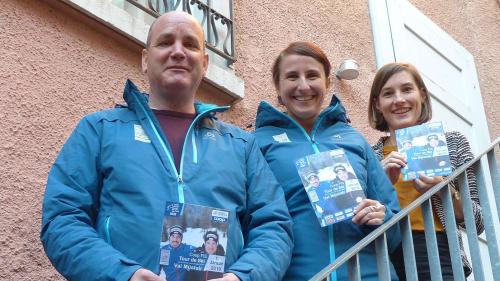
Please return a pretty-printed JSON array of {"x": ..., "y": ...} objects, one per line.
[
  {"x": 425, "y": 149},
  {"x": 193, "y": 242},
  {"x": 331, "y": 185}
]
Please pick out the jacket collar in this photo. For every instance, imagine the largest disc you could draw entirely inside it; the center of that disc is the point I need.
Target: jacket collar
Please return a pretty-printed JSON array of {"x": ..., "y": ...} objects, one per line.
[
  {"x": 268, "y": 115},
  {"x": 135, "y": 98}
]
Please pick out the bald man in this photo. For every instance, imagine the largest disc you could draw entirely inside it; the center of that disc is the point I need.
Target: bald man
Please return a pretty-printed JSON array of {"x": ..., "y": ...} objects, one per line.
[{"x": 106, "y": 192}]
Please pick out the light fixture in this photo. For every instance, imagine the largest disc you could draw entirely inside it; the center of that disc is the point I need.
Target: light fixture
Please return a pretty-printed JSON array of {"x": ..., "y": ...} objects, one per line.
[{"x": 348, "y": 70}]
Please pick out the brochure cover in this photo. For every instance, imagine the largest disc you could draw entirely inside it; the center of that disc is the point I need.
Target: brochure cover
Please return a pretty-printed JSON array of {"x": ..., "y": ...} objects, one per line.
[
  {"x": 193, "y": 242},
  {"x": 426, "y": 150},
  {"x": 331, "y": 185}
]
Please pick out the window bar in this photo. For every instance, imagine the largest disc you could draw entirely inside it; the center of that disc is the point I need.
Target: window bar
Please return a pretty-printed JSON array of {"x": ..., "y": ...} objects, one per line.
[
  {"x": 354, "y": 271},
  {"x": 452, "y": 234},
  {"x": 213, "y": 18},
  {"x": 231, "y": 30},
  {"x": 431, "y": 241},
  {"x": 495, "y": 177},
  {"x": 209, "y": 19},
  {"x": 143, "y": 8},
  {"x": 384, "y": 272},
  {"x": 482, "y": 185},
  {"x": 177, "y": 5},
  {"x": 408, "y": 249},
  {"x": 154, "y": 6},
  {"x": 470, "y": 227}
]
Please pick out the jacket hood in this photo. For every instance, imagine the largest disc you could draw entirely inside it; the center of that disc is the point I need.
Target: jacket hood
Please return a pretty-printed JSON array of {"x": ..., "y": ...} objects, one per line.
[
  {"x": 268, "y": 115},
  {"x": 132, "y": 96}
]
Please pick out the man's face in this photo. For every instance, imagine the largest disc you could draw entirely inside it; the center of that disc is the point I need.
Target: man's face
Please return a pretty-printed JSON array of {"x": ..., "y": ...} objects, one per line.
[
  {"x": 314, "y": 181},
  {"x": 342, "y": 174},
  {"x": 433, "y": 142},
  {"x": 175, "y": 61},
  {"x": 175, "y": 240},
  {"x": 210, "y": 246},
  {"x": 407, "y": 145}
]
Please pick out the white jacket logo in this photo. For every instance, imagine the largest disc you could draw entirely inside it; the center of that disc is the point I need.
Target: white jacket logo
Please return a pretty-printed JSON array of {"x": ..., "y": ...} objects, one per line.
[
  {"x": 209, "y": 136},
  {"x": 336, "y": 137},
  {"x": 281, "y": 138},
  {"x": 140, "y": 134}
]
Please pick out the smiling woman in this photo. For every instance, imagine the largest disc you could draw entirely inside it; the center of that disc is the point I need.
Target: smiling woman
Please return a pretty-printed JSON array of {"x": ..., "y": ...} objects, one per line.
[
  {"x": 400, "y": 99},
  {"x": 301, "y": 76}
]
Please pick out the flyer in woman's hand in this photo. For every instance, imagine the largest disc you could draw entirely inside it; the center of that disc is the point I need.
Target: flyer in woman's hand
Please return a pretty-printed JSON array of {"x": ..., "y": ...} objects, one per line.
[
  {"x": 425, "y": 149},
  {"x": 331, "y": 185},
  {"x": 193, "y": 242}
]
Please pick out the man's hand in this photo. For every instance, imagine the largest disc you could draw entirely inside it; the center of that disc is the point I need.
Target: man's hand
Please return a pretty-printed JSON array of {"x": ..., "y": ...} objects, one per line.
[
  {"x": 145, "y": 275},
  {"x": 369, "y": 212},
  {"x": 392, "y": 165},
  {"x": 227, "y": 277}
]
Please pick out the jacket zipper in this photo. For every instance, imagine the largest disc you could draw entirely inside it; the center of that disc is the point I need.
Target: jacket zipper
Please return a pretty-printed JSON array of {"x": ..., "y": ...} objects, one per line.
[
  {"x": 106, "y": 230},
  {"x": 314, "y": 144},
  {"x": 178, "y": 174}
]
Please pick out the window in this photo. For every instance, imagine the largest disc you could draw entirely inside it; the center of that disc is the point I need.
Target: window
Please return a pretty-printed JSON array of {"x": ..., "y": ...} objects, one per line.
[
  {"x": 132, "y": 18},
  {"x": 214, "y": 15}
]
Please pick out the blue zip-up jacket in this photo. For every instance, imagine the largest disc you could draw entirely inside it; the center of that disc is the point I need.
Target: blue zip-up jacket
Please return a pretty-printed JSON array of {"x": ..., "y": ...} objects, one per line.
[
  {"x": 283, "y": 141},
  {"x": 106, "y": 193}
]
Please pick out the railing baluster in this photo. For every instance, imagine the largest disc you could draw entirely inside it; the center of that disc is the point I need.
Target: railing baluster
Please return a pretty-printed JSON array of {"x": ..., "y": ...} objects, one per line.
[
  {"x": 495, "y": 178},
  {"x": 382, "y": 255},
  {"x": 408, "y": 249},
  {"x": 470, "y": 225},
  {"x": 451, "y": 234},
  {"x": 431, "y": 241},
  {"x": 483, "y": 184},
  {"x": 354, "y": 270}
]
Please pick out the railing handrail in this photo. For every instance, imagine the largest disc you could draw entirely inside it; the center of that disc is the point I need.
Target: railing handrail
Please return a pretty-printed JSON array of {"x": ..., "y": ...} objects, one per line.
[{"x": 370, "y": 238}]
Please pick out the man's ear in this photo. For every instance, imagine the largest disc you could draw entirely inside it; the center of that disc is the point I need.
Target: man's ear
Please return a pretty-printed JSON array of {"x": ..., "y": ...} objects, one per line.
[
  {"x": 144, "y": 60},
  {"x": 205, "y": 64}
]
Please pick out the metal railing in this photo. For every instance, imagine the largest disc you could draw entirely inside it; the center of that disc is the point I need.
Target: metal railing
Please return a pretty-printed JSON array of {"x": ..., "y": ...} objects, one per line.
[
  {"x": 208, "y": 21},
  {"x": 487, "y": 177}
]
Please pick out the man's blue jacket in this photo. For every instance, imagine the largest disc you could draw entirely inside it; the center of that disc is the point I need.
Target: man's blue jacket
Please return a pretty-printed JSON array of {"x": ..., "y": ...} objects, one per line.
[{"x": 106, "y": 194}]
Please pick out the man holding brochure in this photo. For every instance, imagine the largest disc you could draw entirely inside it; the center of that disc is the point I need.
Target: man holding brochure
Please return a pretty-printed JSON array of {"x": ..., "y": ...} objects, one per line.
[{"x": 107, "y": 190}]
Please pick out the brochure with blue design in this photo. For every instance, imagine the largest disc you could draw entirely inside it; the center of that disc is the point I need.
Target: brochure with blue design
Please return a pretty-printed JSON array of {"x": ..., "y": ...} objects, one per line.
[
  {"x": 331, "y": 185},
  {"x": 425, "y": 149},
  {"x": 193, "y": 242}
]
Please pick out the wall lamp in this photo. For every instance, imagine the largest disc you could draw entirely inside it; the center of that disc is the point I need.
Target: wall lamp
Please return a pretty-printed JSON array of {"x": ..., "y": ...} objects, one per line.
[{"x": 348, "y": 70}]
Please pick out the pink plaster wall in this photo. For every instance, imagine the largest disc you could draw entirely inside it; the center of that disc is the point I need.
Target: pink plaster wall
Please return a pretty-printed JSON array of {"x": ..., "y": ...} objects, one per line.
[
  {"x": 263, "y": 30},
  {"x": 57, "y": 65},
  {"x": 53, "y": 70}
]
